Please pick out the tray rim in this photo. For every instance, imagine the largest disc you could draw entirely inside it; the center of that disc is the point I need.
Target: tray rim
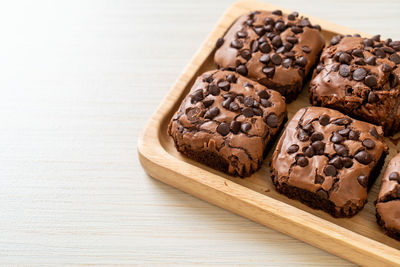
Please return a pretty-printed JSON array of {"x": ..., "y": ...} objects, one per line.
[{"x": 217, "y": 190}]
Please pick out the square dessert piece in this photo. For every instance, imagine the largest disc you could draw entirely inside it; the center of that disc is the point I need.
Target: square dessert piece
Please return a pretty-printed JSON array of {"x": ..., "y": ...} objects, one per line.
[
  {"x": 388, "y": 202},
  {"x": 272, "y": 48},
  {"x": 328, "y": 161},
  {"x": 360, "y": 77},
  {"x": 226, "y": 122}
]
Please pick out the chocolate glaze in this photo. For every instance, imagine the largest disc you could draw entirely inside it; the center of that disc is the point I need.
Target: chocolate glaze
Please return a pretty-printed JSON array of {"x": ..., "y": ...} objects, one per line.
[
  {"x": 374, "y": 97},
  {"x": 344, "y": 186},
  {"x": 287, "y": 77},
  {"x": 388, "y": 202},
  {"x": 202, "y": 135}
]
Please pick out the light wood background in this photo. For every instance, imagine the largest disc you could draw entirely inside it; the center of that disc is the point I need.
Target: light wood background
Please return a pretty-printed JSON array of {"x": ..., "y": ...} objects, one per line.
[{"x": 78, "y": 80}]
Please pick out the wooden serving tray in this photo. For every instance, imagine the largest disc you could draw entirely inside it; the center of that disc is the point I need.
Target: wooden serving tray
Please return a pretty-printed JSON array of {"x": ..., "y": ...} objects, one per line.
[{"x": 358, "y": 239}]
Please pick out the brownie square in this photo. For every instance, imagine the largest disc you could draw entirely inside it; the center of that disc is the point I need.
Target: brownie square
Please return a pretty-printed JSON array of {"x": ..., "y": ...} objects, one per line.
[
  {"x": 388, "y": 202},
  {"x": 226, "y": 122},
  {"x": 272, "y": 48},
  {"x": 327, "y": 160},
  {"x": 360, "y": 77}
]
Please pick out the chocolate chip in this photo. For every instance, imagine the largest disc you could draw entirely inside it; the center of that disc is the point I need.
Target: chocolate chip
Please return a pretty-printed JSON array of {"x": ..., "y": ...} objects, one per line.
[
  {"x": 318, "y": 147},
  {"x": 336, "y": 138},
  {"x": 344, "y": 132},
  {"x": 287, "y": 62},
  {"x": 357, "y": 53},
  {"x": 276, "y": 59},
  {"x": 237, "y": 44},
  {"x": 380, "y": 53},
  {"x": 265, "y": 48},
  {"x": 292, "y": 149},
  {"x": 254, "y": 46},
  {"x": 292, "y": 39},
  {"x": 305, "y": 22},
  {"x": 330, "y": 170},
  {"x": 248, "y": 101},
  {"x": 212, "y": 113},
  {"x": 235, "y": 127},
  {"x": 321, "y": 193},
  {"x": 335, "y": 67},
  {"x": 374, "y": 132},
  {"x": 234, "y": 106},
  {"x": 302, "y": 135},
  {"x": 376, "y": 38},
  {"x": 280, "y": 26},
  {"x": 388, "y": 50},
  {"x": 265, "y": 103},
  {"x": 241, "y": 34},
  {"x": 309, "y": 152},
  {"x": 359, "y": 74},
  {"x": 363, "y": 157},
  {"x": 393, "y": 80},
  {"x": 224, "y": 85},
  {"x": 360, "y": 62},
  {"x": 208, "y": 102},
  {"x": 263, "y": 94},
  {"x": 341, "y": 121},
  {"x": 207, "y": 78},
  {"x": 227, "y": 102},
  {"x": 219, "y": 42},
  {"x": 276, "y": 41},
  {"x": 395, "y": 58},
  {"x": 344, "y": 70},
  {"x": 354, "y": 135},
  {"x": 309, "y": 128},
  {"x": 345, "y": 58},
  {"x": 386, "y": 68},
  {"x": 347, "y": 162},
  {"x": 362, "y": 180},
  {"x": 241, "y": 69},
  {"x": 249, "y": 22},
  {"x": 197, "y": 96},
  {"x": 223, "y": 129},
  {"x": 319, "y": 179},
  {"x": 372, "y": 97},
  {"x": 368, "y": 143},
  {"x": 245, "y": 127},
  {"x": 260, "y": 31},
  {"x": 265, "y": 58},
  {"x": 245, "y": 54},
  {"x": 394, "y": 176},
  {"x": 280, "y": 50},
  {"x": 301, "y": 61},
  {"x": 272, "y": 120},
  {"x": 370, "y": 81},
  {"x": 317, "y": 136},
  {"x": 248, "y": 112},
  {"x": 337, "y": 162},
  {"x": 277, "y": 12},
  {"x": 368, "y": 42},
  {"x": 341, "y": 150},
  {"x": 213, "y": 89},
  {"x": 231, "y": 78},
  {"x": 296, "y": 29},
  {"x": 302, "y": 161},
  {"x": 335, "y": 40},
  {"x": 324, "y": 120},
  {"x": 306, "y": 49},
  {"x": 269, "y": 21},
  {"x": 269, "y": 71}
]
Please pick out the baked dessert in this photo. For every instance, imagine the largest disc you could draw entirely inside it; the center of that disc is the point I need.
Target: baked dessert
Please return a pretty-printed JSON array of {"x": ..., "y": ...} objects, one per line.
[
  {"x": 360, "y": 77},
  {"x": 327, "y": 160},
  {"x": 388, "y": 202},
  {"x": 272, "y": 48},
  {"x": 226, "y": 122}
]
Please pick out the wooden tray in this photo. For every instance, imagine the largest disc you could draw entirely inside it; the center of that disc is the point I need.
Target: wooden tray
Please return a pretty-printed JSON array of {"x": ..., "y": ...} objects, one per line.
[{"x": 358, "y": 239}]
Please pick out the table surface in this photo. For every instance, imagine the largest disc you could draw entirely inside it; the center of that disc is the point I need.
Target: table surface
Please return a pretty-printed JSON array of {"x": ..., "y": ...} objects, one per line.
[{"x": 79, "y": 79}]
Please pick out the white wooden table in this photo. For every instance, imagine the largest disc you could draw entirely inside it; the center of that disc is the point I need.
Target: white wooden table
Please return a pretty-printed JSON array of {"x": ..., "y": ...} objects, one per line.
[{"x": 78, "y": 81}]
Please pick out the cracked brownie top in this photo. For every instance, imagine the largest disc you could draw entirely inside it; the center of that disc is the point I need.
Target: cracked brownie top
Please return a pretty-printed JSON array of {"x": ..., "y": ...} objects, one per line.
[
  {"x": 229, "y": 116},
  {"x": 325, "y": 152}
]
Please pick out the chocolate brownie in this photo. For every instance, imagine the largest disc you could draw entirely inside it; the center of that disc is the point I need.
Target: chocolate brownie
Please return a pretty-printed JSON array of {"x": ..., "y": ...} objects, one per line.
[
  {"x": 388, "y": 202},
  {"x": 360, "y": 77},
  {"x": 226, "y": 122},
  {"x": 327, "y": 160},
  {"x": 272, "y": 48}
]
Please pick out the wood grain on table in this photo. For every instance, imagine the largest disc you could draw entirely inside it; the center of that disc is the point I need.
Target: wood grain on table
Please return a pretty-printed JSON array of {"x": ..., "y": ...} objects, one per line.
[{"x": 78, "y": 81}]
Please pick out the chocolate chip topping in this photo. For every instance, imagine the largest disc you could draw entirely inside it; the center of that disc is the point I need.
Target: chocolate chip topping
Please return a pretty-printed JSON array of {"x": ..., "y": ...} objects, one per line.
[
  {"x": 293, "y": 149},
  {"x": 362, "y": 180},
  {"x": 394, "y": 176},
  {"x": 363, "y": 157},
  {"x": 223, "y": 128},
  {"x": 324, "y": 120}
]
